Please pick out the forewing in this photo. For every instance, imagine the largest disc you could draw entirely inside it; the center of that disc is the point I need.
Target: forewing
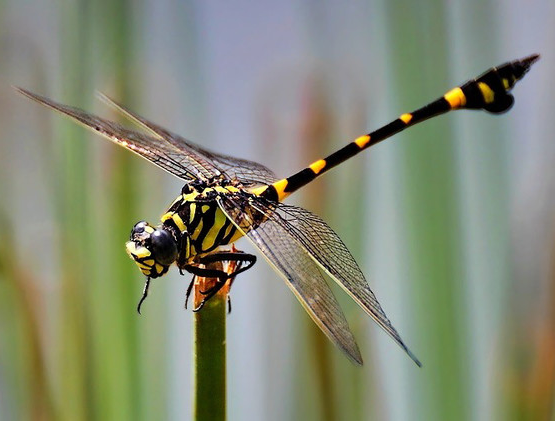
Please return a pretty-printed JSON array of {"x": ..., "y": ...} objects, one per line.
[
  {"x": 246, "y": 171},
  {"x": 329, "y": 251},
  {"x": 154, "y": 149},
  {"x": 301, "y": 274}
]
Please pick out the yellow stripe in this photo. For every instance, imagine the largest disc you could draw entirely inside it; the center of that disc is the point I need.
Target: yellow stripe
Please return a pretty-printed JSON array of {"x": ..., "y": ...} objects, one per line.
[
  {"x": 280, "y": 188},
  {"x": 505, "y": 83},
  {"x": 179, "y": 221},
  {"x": 228, "y": 230},
  {"x": 456, "y": 98},
  {"x": 178, "y": 199},
  {"x": 225, "y": 189},
  {"x": 317, "y": 166},
  {"x": 406, "y": 118},
  {"x": 190, "y": 196},
  {"x": 176, "y": 219},
  {"x": 192, "y": 212},
  {"x": 259, "y": 190},
  {"x": 487, "y": 92},
  {"x": 362, "y": 141}
]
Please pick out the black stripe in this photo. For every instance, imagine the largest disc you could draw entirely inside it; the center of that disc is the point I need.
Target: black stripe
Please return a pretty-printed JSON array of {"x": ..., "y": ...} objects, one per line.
[
  {"x": 340, "y": 155},
  {"x": 270, "y": 193},
  {"x": 225, "y": 240},
  {"x": 474, "y": 99},
  {"x": 208, "y": 220},
  {"x": 300, "y": 179},
  {"x": 191, "y": 227},
  {"x": 439, "y": 106},
  {"x": 306, "y": 175},
  {"x": 219, "y": 237}
]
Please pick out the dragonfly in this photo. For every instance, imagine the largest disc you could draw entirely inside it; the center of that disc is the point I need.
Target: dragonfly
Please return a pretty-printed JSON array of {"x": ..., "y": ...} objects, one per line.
[{"x": 226, "y": 198}]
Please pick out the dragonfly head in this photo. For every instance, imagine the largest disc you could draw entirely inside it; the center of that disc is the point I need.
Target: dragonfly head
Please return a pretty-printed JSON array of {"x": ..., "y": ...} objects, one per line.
[{"x": 152, "y": 249}]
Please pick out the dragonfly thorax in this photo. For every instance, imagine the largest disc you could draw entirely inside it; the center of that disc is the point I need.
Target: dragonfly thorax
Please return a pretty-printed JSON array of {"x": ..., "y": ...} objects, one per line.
[
  {"x": 199, "y": 224},
  {"x": 154, "y": 250}
]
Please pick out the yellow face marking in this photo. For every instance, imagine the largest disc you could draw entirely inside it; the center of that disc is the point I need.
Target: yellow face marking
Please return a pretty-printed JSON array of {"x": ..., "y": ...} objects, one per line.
[
  {"x": 205, "y": 208},
  {"x": 149, "y": 229},
  {"x": 317, "y": 166},
  {"x": 159, "y": 268},
  {"x": 455, "y": 98},
  {"x": 139, "y": 252},
  {"x": 487, "y": 92},
  {"x": 144, "y": 267},
  {"x": 149, "y": 262},
  {"x": 362, "y": 141},
  {"x": 280, "y": 188},
  {"x": 406, "y": 118}
]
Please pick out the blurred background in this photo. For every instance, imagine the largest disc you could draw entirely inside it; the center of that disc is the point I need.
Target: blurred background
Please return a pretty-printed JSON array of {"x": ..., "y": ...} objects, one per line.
[{"x": 453, "y": 221}]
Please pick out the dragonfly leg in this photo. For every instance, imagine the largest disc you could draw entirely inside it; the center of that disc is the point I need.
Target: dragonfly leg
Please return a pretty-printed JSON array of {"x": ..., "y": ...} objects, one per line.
[
  {"x": 189, "y": 290},
  {"x": 240, "y": 257},
  {"x": 221, "y": 277},
  {"x": 145, "y": 294}
]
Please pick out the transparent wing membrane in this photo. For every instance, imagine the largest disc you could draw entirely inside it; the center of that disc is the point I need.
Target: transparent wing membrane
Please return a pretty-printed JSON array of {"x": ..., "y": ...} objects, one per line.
[
  {"x": 163, "y": 148},
  {"x": 291, "y": 260},
  {"x": 331, "y": 254},
  {"x": 248, "y": 172}
]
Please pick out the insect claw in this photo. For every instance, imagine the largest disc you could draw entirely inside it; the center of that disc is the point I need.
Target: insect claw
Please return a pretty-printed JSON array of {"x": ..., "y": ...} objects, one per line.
[{"x": 199, "y": 307}]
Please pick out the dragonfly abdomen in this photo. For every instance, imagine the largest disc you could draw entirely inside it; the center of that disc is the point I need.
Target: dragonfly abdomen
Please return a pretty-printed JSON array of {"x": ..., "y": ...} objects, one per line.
[{"x": 489, "y": 91}]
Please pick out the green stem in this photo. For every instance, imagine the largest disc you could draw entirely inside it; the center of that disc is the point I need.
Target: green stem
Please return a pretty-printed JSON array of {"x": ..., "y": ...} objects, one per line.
[{"x": 210, "y": 360}]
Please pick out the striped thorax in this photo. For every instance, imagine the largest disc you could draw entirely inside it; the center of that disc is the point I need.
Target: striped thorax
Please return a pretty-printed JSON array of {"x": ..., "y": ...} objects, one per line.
[{"x": 193, "y": 225}]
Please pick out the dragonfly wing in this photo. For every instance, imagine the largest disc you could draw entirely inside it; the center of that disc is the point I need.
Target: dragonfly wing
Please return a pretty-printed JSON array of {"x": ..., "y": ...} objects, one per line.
[
  {"x": 331, "y": 254},
  {"x": 246, "y": 171},
  {"x": 185, "y": 166},
  {"x": 301, "y": 274}
]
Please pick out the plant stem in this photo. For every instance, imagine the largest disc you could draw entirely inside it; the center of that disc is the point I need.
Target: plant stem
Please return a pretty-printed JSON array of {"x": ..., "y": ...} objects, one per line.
[{"x": 210, "y": 351}]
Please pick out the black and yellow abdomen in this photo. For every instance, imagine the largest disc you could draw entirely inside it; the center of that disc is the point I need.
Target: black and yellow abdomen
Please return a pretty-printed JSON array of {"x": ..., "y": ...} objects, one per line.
[{"x": 201, "y": 224}]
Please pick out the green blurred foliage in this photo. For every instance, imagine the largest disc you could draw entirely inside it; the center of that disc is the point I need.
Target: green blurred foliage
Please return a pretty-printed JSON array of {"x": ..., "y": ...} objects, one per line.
[{"x": 452, "y": 221}]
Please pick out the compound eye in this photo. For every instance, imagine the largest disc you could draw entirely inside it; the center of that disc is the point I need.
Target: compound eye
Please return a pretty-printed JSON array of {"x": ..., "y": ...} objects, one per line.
[
  {"x": 163, "y": 247},
  {"x": 139, "y": 228}
]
